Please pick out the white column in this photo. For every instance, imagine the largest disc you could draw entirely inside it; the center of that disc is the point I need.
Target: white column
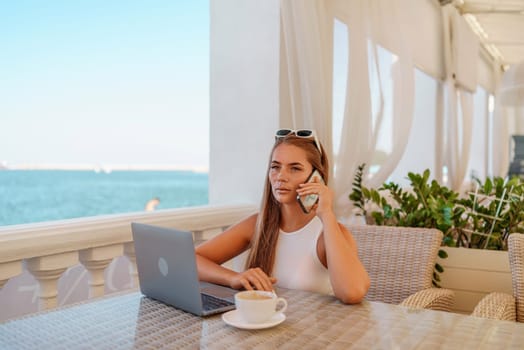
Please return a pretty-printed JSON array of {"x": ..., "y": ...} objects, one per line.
[
  {"x": 95, "y": 260},
  {"x": 47, "y": 270},
  {"x": 244, "y": 96}
]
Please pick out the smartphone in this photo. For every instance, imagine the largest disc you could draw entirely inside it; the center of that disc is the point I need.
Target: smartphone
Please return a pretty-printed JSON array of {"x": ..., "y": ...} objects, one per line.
[{"x": 307, "y": 202}]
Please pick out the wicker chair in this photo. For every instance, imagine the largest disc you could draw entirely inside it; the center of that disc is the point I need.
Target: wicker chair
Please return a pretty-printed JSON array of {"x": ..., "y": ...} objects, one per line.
[
  {"x": 400, "y": 262},
  {"x": 502, "y": 306}
]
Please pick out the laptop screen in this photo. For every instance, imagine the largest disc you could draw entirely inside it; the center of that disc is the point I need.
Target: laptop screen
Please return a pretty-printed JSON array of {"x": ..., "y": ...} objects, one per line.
[{"x": 167, "y": 269}]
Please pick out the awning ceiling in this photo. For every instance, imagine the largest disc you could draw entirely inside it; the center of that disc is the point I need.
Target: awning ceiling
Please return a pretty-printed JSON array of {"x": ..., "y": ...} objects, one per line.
[{"x": 501, "y": 24}]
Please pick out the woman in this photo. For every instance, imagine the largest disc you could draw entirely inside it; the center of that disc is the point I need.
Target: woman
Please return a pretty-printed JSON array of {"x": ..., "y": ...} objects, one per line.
[{"x": 290, "y": 248}]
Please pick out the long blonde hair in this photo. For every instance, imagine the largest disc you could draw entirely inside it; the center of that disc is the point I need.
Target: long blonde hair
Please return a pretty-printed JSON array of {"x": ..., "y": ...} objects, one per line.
[{"x": 264, "y": 242}]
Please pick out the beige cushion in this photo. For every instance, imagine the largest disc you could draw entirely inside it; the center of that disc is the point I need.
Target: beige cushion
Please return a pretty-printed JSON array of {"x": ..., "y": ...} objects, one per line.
[{"x": 502, "y": 306}]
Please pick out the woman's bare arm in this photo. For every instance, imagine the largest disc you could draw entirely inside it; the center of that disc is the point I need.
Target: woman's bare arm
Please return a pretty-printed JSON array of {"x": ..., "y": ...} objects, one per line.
[
  {"x": 348, "y": 276},
  {"x": 225, "y": 246},
  {"x": 337, "y": 249}
]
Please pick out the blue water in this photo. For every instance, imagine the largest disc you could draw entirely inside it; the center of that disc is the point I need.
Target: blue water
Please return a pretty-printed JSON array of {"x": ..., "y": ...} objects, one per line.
[{"x": 28, "y": 196}]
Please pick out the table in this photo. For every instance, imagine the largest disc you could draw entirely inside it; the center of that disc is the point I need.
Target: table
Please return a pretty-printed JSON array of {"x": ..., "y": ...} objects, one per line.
[{"x": 132, "y": 321}]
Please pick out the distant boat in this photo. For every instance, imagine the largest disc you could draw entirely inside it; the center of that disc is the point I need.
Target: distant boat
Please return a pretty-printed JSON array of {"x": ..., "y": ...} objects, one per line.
[{"x": 104, "y": 169}]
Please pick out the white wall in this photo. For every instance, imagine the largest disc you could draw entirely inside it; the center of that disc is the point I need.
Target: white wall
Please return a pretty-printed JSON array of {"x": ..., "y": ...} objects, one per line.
[{"x": 244, "y": 96}]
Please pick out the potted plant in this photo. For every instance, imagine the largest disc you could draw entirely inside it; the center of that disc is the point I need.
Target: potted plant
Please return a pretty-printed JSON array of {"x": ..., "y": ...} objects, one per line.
[{"x": 481, "y": 218}]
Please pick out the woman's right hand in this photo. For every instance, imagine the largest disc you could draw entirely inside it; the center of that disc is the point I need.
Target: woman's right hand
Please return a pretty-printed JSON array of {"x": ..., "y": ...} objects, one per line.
[{"x": 253, "y": 278}]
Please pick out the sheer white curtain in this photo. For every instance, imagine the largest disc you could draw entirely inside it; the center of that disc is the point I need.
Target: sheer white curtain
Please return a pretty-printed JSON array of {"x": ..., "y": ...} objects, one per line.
[
  {"x": 356, "y": 131},
  {"x": 307, "y": 28},
  {"x": 370, "y": 22},
  {"x": 458, "y": 95},
  {"x": 501, "y": 135},
  {"x": 459, "y": 127}
]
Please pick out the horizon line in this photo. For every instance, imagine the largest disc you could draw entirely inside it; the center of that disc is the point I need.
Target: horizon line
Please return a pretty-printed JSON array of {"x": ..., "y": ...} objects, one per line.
[{"x": 102, "y": 167}]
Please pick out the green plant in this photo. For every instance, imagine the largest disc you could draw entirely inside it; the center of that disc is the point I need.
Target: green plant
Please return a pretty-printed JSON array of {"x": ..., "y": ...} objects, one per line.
[
  {"x": 426, "y": 205},
  {"x": 494, "y": 209},
  {"x": 483, "y": 218},
  {"x": 356, "y": 196}
]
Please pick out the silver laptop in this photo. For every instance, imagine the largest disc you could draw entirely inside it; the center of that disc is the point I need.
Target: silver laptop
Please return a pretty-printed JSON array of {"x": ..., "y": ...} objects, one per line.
[{"x": 167, "y": 271}]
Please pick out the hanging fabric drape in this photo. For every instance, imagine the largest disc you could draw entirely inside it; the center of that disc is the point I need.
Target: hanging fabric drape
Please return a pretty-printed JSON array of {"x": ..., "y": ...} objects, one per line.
[
  {"x": 459, "y": 86},
  {"x": 403, "y": 77},
  {"x": 357, "y": 122},
  {"x": 512, "y": 86},
  {"x": 503, "y": 128},
  {"x": 367, "y": 22},
  {"x": 306, "y": 29}
]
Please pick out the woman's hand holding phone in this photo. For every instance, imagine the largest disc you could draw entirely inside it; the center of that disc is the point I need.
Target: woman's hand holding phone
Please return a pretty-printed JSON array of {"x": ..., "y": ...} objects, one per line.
[{"x": 310, "y": 192}]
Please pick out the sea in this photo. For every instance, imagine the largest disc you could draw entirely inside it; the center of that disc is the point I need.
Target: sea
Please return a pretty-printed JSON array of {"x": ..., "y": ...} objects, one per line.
[{"x": 29, "y": 196}]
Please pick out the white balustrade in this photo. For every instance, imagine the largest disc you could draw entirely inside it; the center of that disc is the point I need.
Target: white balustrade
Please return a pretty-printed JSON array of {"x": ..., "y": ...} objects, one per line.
[
  {"x": 95, "y": 260},
  {"x": 47, "y": 270},
  {"x": 49, "y": 248}
]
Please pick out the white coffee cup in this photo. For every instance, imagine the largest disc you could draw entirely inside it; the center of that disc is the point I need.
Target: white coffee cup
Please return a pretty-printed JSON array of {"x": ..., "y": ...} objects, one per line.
[{"x": 256, "y": 306}]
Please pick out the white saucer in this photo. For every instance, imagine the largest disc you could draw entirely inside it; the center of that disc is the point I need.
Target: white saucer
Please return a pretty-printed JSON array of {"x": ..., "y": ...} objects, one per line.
[{"x": 233, "y": 318}]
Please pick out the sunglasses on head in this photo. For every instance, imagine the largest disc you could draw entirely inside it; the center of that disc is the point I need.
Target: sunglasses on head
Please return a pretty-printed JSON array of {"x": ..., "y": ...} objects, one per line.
[{"x": 304, "y": 133}]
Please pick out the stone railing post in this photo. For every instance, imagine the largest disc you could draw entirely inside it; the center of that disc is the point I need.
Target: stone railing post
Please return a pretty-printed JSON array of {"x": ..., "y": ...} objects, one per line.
[
  {"x": 95, "y": 260},
  {"x": 47, "y": 270}
]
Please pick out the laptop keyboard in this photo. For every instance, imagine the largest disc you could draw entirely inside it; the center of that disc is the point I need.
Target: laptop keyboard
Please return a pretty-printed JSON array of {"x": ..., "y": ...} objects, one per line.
[{"x": 211, "y": 303}]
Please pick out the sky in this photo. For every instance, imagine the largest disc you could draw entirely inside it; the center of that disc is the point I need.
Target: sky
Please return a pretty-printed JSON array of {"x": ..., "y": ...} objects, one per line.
[{"x": 104, "y": 82}]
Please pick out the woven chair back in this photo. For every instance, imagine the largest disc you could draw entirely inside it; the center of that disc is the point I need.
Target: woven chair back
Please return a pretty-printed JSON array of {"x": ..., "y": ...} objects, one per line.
[
  {"x": 516, "y": 263},
  {"x": 399, "y": 260}
]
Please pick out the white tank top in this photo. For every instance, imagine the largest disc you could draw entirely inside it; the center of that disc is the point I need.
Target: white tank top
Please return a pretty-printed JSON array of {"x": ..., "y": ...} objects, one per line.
[{"x": 297, "y": 265}]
